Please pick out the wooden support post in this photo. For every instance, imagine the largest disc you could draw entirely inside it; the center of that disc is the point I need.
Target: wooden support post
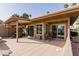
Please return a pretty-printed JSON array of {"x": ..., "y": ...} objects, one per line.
[
  {"x": 17, "y": 31},
  {"x": 35, "y": 31},
  {"x": 28, "y": 31},
  {"x": 68, "y": 28},
  {"x": 8, "y": 30},
  {"x": 65, "y": 29},
  {"x": 43, "y": 31}
]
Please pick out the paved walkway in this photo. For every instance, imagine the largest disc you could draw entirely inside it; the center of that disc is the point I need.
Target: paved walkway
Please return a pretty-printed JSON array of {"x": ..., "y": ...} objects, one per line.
[{"x": 29, "y": 47}]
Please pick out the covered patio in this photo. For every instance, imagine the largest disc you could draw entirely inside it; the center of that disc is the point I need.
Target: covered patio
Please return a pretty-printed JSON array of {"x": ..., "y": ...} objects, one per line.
[
  {"x": 54, "y": 25},
  {"x": 18, "y": 24},
  {"x": 53, "y": 28}
]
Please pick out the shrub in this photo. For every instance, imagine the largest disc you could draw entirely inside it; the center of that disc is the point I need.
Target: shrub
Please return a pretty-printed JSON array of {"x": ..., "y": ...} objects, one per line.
[{"x": 73, "y": 34}]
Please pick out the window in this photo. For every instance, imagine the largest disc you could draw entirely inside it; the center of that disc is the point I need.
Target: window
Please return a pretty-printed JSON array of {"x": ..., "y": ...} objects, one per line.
[
  {"x": 39, "y": 29},
  {"x": 61, "y": 31}
]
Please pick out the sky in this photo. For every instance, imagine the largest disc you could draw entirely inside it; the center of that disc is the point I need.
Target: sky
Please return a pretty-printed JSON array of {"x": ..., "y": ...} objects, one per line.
[{"x": 35, "y": 9}]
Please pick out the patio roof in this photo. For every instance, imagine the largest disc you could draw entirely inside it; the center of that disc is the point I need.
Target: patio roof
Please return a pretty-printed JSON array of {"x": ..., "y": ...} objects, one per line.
[
  {"x": 72, "y": 12},
  {"x": 14, "y": 19}
]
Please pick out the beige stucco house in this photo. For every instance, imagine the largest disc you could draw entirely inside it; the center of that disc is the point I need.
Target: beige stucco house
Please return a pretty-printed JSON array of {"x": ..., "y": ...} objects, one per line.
[
  {"x": 53, "y": 26},
  {"x": 56, "y": 24}
]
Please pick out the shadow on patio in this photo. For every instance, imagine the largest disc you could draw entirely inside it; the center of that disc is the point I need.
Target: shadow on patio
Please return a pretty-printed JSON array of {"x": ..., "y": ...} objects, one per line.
[
  {"x": 4, "y": 49},
  {"x": 58, "y": 43}
]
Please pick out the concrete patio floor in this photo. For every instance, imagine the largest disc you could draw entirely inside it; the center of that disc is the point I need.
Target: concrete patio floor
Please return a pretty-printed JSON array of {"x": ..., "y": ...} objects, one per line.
[{"x": 31, "y": 47}]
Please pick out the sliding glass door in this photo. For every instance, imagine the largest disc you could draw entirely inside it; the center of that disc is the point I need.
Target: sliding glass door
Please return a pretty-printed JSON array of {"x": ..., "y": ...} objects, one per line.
[
  {"x": 54, "y": 31},
  {"x": 58, "y": 31}
]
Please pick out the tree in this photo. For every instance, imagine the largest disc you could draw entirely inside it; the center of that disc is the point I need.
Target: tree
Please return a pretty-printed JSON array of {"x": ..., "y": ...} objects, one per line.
[
  {"x": 47, "y": 12},
  {"x": 25, "y": 15},
  {"x": 15, "y": 15},
  {"x": 66, "y": 5},
  {"x": 30, "y": 15},
  {"x": 74, "y": 4}
]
